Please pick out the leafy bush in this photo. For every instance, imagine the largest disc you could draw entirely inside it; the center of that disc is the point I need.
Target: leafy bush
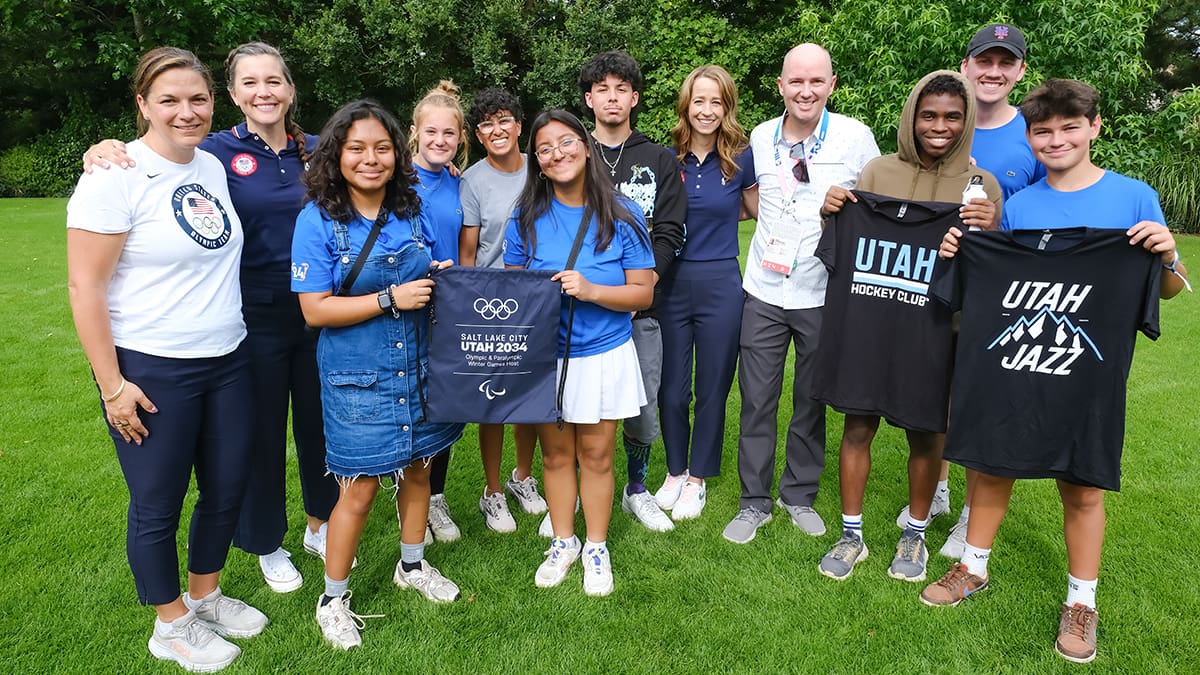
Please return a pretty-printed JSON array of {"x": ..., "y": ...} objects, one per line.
[{"x": 19, "y": 172}]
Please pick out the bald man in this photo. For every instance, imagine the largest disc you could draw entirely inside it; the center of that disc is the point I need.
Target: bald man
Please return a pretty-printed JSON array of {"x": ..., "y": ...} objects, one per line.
[{"x": 797, "y": 157}]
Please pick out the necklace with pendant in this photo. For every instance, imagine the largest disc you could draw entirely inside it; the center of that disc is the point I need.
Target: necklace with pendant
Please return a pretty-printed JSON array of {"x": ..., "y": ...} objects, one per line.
[
  {"x": 437, "y": 184},
  {"x": 612, "y": 167}
]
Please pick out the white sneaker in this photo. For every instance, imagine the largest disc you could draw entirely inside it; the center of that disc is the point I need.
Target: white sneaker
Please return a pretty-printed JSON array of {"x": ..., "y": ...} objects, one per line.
[
  {"x": 192, "y": 644},
  {"x": 546, "y": 528},
  {"x": 314, "y": 543},
  {"x": 495, "y": 512},
  {"x": 441, "y": 526},
  {"x": 940, "y": 506},
  {"x": 645, "y": 510},
  {"x": 429, "y": 581},
  {"x": 597, "y": 572},
  {"x": 957, "y": 541},
  {"x": 526, "y": 493},
  {"x": 559, "y": 556},
  {"x": 339, "y": 625},
  {"x": 228, "y": 617},
  {"x": 668, "y": 494},
  {"x": 279, "y": 572},
  {"x": 692, "y": 499}
]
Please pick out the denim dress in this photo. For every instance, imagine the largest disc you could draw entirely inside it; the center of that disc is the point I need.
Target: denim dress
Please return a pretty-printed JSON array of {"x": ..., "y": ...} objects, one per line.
[{"x": 373, "y": 374}]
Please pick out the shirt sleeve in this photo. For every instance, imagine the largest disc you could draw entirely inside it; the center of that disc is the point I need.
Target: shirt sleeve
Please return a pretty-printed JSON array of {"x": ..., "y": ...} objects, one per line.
[
  {"x": 827, "y": 248},
  {"x": 470, "y": 203},
  {"x": 745, "y": 162},
  {"x": 1149, "y": 208},
  {"x": 947, "y": 279},
  {"x": 101, "y": 203},
  {"x": 670, "y": 213},
  {"x": 1148, "y": 324},
  {"x": 868, "y": 150},
  {"x": 635, "y": 253},
  {"x": 313, "y": 254},
  {"x": 514, "y": 247}
]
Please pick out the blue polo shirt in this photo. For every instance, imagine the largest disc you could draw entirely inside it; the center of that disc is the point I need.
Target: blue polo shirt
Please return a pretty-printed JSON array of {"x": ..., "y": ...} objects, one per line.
[
  {"x": 1115, "y": 202},
  {"x": 268, "y": 195},
  {"x": 439, "y": 201},
  {"x": 714, "y": 204},
  {"x": 1004, "y": 151}
]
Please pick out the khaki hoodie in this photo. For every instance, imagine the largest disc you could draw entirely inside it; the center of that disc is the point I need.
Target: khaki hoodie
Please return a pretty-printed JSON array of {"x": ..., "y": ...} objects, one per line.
[{"x": 901, "y": 174}]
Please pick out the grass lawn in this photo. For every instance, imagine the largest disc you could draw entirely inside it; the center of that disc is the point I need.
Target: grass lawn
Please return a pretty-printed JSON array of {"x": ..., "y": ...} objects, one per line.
[{"x": 685, "y": 601}]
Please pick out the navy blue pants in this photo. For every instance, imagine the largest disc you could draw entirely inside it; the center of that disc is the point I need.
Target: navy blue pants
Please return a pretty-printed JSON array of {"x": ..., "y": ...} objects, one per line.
[
  {"x": 204, "y": 422},
  {"x": 700, "y": 317},
  {"x": 284, "y": 367}
]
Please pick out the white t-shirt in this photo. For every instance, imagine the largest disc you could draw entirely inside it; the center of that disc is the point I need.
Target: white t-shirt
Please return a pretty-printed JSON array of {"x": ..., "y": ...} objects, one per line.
[
  {"x": 175, "y": 290},
  {"x": 839, "y": 158}
]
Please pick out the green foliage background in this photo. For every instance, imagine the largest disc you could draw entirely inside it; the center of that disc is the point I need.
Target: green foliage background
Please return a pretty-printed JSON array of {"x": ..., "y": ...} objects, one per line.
[{"x": 69, "y": 62}]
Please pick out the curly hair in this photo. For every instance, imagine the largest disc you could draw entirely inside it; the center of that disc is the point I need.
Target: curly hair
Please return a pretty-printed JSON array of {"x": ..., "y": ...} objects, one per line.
[
  {"x": 945, "y": 84},
  {"x": 324, "y": 182},
  {"x": 731, "y": 137},
  {"x": 263, "y": 49},
  {"x": 491, "y": 101},
  {"x": 615, "y": 62},
  {"x": 445, "y": 95},
  {"x": 599, "y": 197}
]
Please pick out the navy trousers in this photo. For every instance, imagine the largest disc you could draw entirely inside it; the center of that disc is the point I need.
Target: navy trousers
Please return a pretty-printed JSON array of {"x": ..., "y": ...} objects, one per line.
[
  {"x": 284, "y": 367},
  {"x": 204, "y": 423},
  {"x": 700, "y": 317}
]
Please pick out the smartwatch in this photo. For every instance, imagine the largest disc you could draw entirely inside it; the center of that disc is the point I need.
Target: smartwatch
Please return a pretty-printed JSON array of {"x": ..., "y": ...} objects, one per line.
[{"x": 386, "y": 303}]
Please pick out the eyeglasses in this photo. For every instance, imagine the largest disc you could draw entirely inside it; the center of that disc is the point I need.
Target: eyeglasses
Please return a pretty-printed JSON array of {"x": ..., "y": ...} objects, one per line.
[
  {"x": 567, "y": 146},
  {"x": 800, "y": 169},
  {"x": 488, "y": 126}
]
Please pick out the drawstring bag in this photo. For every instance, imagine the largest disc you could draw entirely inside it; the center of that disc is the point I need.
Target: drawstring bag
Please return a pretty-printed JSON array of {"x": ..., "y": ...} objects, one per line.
[{"x": 493, "y": 345}]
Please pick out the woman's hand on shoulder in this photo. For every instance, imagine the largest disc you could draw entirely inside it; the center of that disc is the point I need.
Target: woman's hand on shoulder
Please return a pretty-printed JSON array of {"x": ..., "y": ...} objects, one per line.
[{"x": 106, "y": 153}]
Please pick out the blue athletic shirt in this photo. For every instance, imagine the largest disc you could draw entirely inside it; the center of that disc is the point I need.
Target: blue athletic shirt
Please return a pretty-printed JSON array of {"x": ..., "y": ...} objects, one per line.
[
  {"x": 1005, "y": 152},
  {"x": 1114, "y": 202},
  {"x": 713, "y": 206},
  {"x": 315, "y": 260},
  {"x": 439, "y": 199},
  {"x": 595, "y": 329},
  {"x": 267, "y": 193}
]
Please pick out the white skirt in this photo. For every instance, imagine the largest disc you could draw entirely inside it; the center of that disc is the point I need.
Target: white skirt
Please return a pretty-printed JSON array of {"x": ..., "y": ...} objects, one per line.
[{"x": 604, "y": 386}]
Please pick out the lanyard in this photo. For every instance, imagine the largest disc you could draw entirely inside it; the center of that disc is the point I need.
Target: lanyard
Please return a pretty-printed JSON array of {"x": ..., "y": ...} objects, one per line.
[{"x": 812, "y": 152}]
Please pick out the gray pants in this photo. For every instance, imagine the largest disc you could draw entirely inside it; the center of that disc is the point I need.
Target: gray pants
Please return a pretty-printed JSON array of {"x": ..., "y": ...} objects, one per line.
[
  {"x": 647, "y": 340},
  {"x": 766, "y": 332}
]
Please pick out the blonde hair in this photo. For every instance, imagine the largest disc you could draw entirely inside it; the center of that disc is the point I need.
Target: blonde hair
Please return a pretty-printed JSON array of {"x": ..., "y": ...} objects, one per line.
[
  {"x": 731, "y": 137},
  {"x": 158, "y": 61},
  {"x": 445, "y": 95}
]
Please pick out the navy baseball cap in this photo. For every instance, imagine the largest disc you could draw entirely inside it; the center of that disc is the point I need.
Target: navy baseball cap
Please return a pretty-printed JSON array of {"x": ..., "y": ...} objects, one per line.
[{"x": 998, "y": 35}]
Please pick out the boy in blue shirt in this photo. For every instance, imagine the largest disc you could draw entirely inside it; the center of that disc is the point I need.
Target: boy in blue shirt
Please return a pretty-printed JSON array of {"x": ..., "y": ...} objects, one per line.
[{"x": 1063, "y": 121}]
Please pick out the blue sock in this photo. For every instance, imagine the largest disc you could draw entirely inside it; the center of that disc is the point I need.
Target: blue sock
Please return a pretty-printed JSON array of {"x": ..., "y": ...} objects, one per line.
[{"x": 637, "y": 463}]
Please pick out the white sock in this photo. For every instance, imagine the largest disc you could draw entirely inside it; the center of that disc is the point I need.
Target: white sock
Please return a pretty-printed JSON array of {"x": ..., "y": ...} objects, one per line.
[
  {"x": 918, "y": 525},
  {"x": 976, "y": 560},
  {"x": 192, "y": 603},
  {"x": 853, "y": 523},
  {"x": 165, "y": 627},
  {"x": 335, "y": 588},
  {"x": 593, "y": 545},
  {"x": 1081, "y": 591}
]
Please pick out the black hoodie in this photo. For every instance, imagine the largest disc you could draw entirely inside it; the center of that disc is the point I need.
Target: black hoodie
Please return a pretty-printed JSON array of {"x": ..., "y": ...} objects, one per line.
[{"x": 648, "y": 174}]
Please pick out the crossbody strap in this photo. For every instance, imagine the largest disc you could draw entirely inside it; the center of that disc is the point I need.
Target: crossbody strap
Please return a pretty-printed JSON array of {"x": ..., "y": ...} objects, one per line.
[
  {"x": 361, "y": 260},
  {"x": 562, "y": 377}
]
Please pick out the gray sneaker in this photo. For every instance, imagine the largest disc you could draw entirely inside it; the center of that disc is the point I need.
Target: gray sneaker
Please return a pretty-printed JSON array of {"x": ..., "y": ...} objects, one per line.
[
  {"x": 230, "y": 618},
  {"x": 745, "y": 524},
  {"x": 192, "y": 644},
  {"x": 909, "y": 563},
  {"x": 804, "y": 517},
  {"x": 845, "y": 554},
  {"x": 428, "y": 581}
]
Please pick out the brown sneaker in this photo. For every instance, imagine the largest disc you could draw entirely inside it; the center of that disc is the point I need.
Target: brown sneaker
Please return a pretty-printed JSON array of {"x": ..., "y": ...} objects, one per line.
[
  {"x": 1077, "y": 633},
  {"x": 953, "y": 587}
]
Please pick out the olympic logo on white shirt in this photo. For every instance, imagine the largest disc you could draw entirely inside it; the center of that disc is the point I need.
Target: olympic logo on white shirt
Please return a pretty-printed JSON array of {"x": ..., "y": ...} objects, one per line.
[{"x": 496, "y": 308}]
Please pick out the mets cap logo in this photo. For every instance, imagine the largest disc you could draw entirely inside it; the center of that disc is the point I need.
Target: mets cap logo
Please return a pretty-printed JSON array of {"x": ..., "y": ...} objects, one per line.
[
  {"x": 243, "y": 164},
  {"x": 201, "y": 216},
  {"x": 1001, "y": 32}
]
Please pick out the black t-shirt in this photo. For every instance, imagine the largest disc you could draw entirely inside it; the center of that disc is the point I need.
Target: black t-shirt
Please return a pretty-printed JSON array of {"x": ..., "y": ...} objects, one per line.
[
  {"x": 885, "y": 346},
  {"x": 1049, "y": 323}
]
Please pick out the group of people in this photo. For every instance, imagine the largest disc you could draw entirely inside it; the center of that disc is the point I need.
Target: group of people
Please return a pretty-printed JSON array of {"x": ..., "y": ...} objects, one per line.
[{"x": 198, "y": 341}]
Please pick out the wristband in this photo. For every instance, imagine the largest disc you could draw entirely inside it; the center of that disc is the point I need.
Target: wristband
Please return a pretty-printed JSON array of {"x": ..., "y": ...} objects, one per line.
[
  {"x": 1172, "y": 269},
  {"x": 116, "y": 394}
]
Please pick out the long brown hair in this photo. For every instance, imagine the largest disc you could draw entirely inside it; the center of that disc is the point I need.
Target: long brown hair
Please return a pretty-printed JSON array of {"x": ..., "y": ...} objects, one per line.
[
  {"x": 731, "y": 137},
  {"x": 289, "y": 120},
  {"x": 158, "y": 61}
]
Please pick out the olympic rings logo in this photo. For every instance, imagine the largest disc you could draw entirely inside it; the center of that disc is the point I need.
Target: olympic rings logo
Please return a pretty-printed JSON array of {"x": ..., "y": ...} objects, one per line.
[
  {"x": 208, "y": 226},
  {"x": 496, "y": 308}
]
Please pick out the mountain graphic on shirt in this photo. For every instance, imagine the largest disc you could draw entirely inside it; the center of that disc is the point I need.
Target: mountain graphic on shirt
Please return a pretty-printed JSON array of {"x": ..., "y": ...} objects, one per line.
[{"x": 1032, "y": 329}]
